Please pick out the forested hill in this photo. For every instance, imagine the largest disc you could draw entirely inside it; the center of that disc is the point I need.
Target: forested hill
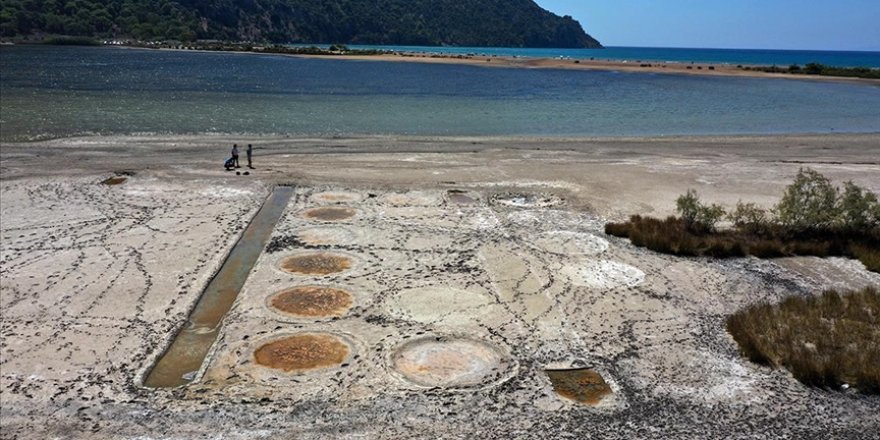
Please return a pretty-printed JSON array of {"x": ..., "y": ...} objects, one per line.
[{"x": 516, "y": 23}]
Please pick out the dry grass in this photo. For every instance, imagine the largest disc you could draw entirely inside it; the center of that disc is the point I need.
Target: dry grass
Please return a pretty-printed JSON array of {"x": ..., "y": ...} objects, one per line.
[
  {"x": 869, "y": 256},
  {"x": 828, "y": 340},
  {"x": 672, "y": 236}
]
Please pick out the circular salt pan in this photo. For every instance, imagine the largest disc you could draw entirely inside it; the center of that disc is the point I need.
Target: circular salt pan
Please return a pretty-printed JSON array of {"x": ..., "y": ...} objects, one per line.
[
  {"x": 319, "y": 263},
  {"x": 312, "y": 301},
  {"x": 412, "y": 198},
  {"x": 303, "y": 352},
  {"x": 326, "y": 236},
  {"x": 330, "y": 213},
  {"x": 603, "y": 274},
  {"x": 431, "y": 304},
  {"x": 571, "y": 243},
  {"x": 460, "y": 197},
  {"x": 337, "y": 197},
  {"x": 449, "y": 363}
]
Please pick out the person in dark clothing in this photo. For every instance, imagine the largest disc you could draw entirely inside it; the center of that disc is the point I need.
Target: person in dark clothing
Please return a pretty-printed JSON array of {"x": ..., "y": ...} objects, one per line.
[
  {"x": 235, "y": 155},
  {"x": 250, "y": 152}
]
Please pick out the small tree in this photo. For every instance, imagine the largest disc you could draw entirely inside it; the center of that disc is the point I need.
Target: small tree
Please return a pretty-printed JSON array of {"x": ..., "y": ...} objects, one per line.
[
  {"x": 809, "y": 202},
  {"x": 688, "y": 206},
  {"x": 697, "y": 216},
  {"x": 858, "y": 208},
  {"x": 709, "y": 216},
  {"x": 748, "y": 217}
]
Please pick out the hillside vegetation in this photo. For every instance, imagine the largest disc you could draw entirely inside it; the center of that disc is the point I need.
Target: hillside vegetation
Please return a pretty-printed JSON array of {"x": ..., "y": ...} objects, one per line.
[{"x": 514, "y": 23}]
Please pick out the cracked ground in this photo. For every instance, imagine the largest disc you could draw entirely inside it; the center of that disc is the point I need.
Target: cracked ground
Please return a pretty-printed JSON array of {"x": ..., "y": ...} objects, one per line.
[{"x": 458, "y": 297}]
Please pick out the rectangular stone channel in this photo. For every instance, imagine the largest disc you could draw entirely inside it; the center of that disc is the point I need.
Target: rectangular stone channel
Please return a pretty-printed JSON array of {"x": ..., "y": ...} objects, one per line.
[{"x": 184, "y": 357}]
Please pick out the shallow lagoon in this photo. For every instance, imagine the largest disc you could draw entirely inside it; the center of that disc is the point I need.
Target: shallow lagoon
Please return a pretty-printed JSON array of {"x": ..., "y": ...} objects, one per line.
[{"x": 63, "y": 91}]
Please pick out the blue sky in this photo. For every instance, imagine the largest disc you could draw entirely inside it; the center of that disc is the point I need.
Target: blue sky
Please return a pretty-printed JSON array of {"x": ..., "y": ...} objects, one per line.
[{"x": 745, "y": 24}]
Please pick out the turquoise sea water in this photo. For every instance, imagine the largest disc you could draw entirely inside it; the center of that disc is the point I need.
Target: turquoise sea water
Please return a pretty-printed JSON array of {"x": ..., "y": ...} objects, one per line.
[
  {"x": 63, "y": 91},
  {"x": 677, "y": 55}
]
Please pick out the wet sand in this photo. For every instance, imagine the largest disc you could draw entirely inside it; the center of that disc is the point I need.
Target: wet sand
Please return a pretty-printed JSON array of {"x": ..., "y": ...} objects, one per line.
[{"x": 472, "y": 265}]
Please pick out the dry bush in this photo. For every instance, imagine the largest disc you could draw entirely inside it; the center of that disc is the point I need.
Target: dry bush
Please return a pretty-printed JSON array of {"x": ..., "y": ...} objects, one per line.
[
  {"x": 674, "y": 236},
  {"x": 617, "y": 229},
  {"x": 767, "y": 248},
  {"x": 828, "y": 340},
  {"x": 869, "y": 256}
]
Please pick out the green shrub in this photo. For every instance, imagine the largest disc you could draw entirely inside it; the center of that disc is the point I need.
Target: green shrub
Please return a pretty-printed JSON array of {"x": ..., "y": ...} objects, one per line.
[
  {"x": 858, "y": 209},
  {"x": 808, "y": 203},
  {"x": 748, "y": 217},
  {"x": 697, "y": 216},
  {"x": 687, "y": 206}
]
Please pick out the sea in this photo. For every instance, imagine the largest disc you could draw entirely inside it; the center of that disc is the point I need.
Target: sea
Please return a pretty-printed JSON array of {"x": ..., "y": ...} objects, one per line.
[{"x": 51, "y": 92}]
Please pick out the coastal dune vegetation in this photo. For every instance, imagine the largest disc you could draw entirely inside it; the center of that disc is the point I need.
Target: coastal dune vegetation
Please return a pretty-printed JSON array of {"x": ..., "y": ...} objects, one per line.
[{"x": 813, "y": 218}]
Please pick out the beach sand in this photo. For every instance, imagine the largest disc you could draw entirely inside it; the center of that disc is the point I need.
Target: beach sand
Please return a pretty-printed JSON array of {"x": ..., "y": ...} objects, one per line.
[
  {"x": 679, "y": 68},
  {"x": 471, "y": 266}
]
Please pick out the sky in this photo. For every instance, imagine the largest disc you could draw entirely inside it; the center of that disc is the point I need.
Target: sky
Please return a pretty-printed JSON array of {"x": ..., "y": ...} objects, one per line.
[{"x": 730, "y": 24}]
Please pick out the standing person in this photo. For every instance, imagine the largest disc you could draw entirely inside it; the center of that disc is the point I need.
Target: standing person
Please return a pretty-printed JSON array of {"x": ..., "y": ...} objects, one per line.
[
  {"x": 235, "y": 155},
  {"x": 250, "y": 152}
]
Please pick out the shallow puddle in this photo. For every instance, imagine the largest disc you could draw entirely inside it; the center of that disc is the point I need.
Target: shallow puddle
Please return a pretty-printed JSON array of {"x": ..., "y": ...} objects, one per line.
[
  {"x": 312, "y": 301},
  {"x": 316, "y": 264},
  {"x": 581, "y": 385},
  {"x": 330, "y": 214},
  {"x": 116, "y": 180},
  {"x": 460, "y": 197},
  {"x": 303, "y": 352},
  {"x": 183, "y": 358}
]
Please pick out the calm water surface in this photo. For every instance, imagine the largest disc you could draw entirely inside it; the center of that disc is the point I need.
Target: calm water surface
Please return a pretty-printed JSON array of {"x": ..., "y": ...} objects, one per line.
[{"x": 62, "y": 91}]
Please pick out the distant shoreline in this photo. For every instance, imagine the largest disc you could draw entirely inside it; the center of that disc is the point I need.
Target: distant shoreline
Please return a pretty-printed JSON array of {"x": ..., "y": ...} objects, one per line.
[
  {"x": 698, "y": 69},
  {"x": 693, "y": 68},
  {"x": 673, "y": 68}
]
